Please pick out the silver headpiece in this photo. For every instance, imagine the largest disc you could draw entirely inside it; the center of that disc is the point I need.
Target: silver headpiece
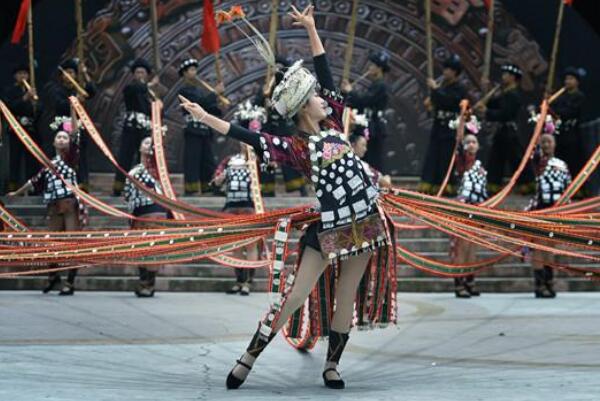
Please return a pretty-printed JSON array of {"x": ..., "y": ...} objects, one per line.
[{"x": 294, "y": 90}]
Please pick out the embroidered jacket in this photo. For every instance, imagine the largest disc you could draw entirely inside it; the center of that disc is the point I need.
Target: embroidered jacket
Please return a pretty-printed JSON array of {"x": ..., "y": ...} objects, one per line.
[{"x": 135, "y": 197}]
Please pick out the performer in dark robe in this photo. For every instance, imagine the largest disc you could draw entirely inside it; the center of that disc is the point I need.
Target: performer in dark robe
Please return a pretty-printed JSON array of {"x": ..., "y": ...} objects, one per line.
[
  {"x": 444, "y": 103},
  {"x": 198, "y": 154},
  {"x": 373, "y": 103},
  {"x": 568, "y": 107},
  {"x": 21, "y": 102},
  {"x": 137, "y": 124},
  {"x": 504, "y": 109}
]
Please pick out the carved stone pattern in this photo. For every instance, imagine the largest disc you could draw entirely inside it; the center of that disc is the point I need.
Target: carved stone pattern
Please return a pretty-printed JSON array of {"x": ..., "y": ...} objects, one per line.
[{"x": 121, "y": 32}]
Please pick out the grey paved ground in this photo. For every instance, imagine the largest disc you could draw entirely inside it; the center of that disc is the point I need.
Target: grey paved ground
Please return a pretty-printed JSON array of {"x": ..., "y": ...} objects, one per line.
[{"x": 112, "y": 346}]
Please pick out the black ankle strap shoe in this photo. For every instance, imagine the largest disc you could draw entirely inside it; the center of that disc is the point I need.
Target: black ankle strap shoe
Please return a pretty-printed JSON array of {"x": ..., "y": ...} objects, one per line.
[
  {"x": 232, "y": 382},
  {"x": 336, "y": 384}
]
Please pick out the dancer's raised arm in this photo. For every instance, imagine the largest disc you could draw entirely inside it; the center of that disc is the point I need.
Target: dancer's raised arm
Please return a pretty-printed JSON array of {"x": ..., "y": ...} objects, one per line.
[
  {"x": 270, "y": 148},
  {"x": 306, "y": 19}
]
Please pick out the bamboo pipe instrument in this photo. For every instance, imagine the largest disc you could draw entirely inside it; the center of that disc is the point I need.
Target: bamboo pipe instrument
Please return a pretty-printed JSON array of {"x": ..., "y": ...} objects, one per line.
[
  {"x": 79, "y": 30},
  {"x": 29, "y": 89},
  {"x": 554, "y": 54},
  {"x": 350, "y": 43},
  {"x": 363, "y": 76},
  {"x": 487, "y": 53},
  {"x": 74, "y": 82},
  {"x": 30, "y": 51},
  {"x": 273, "y": 36},
  {"x": 486, "y": 98},
  {"x": 209, "y": 88},
  {"x": 428, "y": 39},
  {"x": 556, "y": 95}
]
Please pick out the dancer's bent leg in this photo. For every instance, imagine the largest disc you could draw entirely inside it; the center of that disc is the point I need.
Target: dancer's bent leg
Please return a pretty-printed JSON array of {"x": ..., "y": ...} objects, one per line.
[{"x": 311, "y": 267}]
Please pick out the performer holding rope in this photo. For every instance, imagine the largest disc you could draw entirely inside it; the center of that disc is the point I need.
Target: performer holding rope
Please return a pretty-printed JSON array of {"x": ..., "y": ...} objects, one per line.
[
  {"x": 58, "y": 100},
  {"x": 63, "y": 211},
  {"x": 234, "y": 173},
  {"x": 552, "y": 177},
  {"x": 351, "y": 226},
  {"x": 472, "y": 178},
  {"x": 140, "y": 205}
]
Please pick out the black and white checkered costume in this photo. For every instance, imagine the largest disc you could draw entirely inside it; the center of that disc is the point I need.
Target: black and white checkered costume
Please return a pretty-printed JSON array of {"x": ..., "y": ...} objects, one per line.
[
  {"x": 551, "y": 182},
  {"x": 135, "y": 197},
  {"x": 238, "y": 181},
  {"x": 473, "y": 184},
  {"x": 51, "y": 186}
]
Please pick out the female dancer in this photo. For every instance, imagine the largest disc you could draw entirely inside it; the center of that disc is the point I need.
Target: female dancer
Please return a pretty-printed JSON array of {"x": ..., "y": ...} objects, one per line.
[
  {"x": 552, "y": 177},
  {"x": 472, "y": 189},
  {"x": 63, "y": 213},
  {"x": 141, "y": 205},
  {"x": 234, "y": 173},
  {"x": 351, "y": 226}
]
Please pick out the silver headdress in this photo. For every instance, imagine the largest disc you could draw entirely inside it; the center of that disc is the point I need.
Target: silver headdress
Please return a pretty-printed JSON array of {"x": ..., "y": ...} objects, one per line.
[
  {"x": 247, "y": 112},
  {"x": 297, "y": 84},
  {"x": 294, "y": 90}
]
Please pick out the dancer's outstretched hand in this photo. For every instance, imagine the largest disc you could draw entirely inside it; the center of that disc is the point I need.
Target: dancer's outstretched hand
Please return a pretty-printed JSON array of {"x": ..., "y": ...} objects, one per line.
[
  {"x": 193, "y": 108},
  {"x": 305, "y": 18}
]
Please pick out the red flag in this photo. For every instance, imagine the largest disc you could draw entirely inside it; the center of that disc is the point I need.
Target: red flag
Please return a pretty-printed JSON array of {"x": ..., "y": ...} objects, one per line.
[
  {"x": 21, "y": 22},
  {"x": 568, "y": 2},
  {"x": 210, "y": 35}
]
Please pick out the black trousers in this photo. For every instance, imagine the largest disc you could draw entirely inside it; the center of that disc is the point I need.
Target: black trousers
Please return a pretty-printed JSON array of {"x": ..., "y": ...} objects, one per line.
[
  {"x": 131, "y": 138},
  {"x": 198, "y": 162},
  {"x": 571, "y": 149},
  {"x": 506, "y": 149},
  {"x": 267, "y": 182},
  {"x": 244, "y": 275},
  {"x": 147, "y": 277},
  {"x": 17, "y": 154},
  {"x": 375, "y": 155},
  {"x": 438, "y": 155},
  {"x": 293, "y": 179}
]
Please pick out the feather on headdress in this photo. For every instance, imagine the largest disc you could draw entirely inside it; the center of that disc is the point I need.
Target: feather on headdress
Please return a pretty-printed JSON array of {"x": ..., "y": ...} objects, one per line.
[{"x": 297, "y": 84}]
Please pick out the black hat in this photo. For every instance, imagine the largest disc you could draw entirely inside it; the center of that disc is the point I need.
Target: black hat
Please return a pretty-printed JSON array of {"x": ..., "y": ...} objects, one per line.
[
  {"x": 187, "y": 63},
  {"x": 578, "y": 73},
  {"x": 453, "y": 63},
  {"x": 140, "y": 63},
  {"x": 381, "y": 59},
  {"x": 512, "y": 69},
  {"x": 71, "y": 63},
  {"x": 20, "y": 67}
]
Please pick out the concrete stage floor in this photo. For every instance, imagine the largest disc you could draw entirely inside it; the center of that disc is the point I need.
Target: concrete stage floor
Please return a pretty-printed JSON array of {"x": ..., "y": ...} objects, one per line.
[{"x": 180, "y": 346}]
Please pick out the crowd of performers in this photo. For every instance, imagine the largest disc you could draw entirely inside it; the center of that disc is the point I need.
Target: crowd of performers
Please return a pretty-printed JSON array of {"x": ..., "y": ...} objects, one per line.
[{"x": 347, "y": 256}]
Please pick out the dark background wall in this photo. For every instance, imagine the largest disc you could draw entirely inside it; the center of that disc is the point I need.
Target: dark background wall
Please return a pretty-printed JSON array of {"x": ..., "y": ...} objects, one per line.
[{"x": 117, "y": 31}]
